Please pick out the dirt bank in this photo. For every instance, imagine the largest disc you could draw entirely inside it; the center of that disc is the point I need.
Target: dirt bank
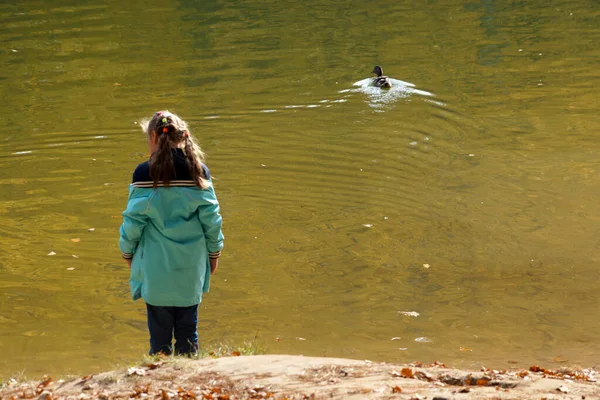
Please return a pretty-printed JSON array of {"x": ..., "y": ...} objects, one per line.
[{"x": 297, "y": 377}]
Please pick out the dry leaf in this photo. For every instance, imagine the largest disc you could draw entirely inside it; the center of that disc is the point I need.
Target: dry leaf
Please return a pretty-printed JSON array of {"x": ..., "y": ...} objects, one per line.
[
  {"x": 278, "y": 339},
  {"x": 396, "y": 389},
  {"x": 52, "y": 253},
  {"x": 76, "y": 240},
  {"x": 74, "y": 256},
  {"x": 464, "y": 349},
  {"x": 236, "y": 353},
  {"x": 407, "y": 373},
  {"x": 70, "y": 269},
  {"x": 42, "y": 385},
  {"x": 368, "y": 225},
  {"x": 536, "y": 368},
  {"x": 300, "y": 338},
  {"x": 396, "y": 338},
  {"x": 91, "y": 229},
  {"x": 426, "y": 265}
]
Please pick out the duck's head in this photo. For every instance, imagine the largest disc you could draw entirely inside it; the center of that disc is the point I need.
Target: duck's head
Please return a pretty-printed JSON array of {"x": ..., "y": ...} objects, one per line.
[{"x": 377, "y": 70}]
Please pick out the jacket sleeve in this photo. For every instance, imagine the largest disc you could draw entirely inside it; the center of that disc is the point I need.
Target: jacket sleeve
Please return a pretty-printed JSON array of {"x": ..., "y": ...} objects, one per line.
[
  {"x": 210, "y": 218},
  {"x": 134, "y": 221}
]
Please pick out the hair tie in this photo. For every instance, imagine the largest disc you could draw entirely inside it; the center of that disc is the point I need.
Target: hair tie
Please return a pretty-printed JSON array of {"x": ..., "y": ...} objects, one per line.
[
  {"x": 187, "y": 134},
  {"x": 165, "y": 129},
  {"x": 164, "y": 120},
  {"x": 158, "y": 113}
]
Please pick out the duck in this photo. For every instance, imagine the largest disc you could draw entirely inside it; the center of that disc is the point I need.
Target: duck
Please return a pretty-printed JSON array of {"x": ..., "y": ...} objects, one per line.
[{"x": 381, "y": 81}]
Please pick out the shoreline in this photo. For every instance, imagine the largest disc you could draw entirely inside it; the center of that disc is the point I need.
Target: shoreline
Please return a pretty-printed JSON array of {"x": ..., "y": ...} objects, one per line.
[{"x": 298, "y": 377}]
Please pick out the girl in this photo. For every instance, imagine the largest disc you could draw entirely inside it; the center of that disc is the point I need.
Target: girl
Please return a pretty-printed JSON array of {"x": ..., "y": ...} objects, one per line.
[{"x": 171, "y": 234}]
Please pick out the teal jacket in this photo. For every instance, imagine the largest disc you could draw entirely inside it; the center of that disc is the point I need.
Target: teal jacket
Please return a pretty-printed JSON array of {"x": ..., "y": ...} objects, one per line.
[{"x": 169, "y": 233}]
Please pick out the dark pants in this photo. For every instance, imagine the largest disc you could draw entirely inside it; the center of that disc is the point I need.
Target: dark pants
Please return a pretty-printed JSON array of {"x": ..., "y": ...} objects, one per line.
[{"x": 164, "y": 321}]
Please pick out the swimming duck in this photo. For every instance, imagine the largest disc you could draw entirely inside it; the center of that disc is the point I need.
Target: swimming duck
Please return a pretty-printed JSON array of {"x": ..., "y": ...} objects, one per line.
[{"x": 381, "y": 81}]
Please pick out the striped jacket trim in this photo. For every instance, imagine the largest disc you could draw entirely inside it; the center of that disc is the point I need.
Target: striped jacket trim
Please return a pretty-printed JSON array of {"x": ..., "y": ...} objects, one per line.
[{"x": 150, "y": 184}]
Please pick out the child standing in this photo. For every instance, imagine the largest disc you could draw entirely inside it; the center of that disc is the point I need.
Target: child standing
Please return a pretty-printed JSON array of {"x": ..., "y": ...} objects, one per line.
[{"x": 171, "y": 235}]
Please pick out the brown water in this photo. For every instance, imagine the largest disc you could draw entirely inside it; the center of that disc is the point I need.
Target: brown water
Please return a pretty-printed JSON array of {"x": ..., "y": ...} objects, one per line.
[{"x": 335, "y": 198}]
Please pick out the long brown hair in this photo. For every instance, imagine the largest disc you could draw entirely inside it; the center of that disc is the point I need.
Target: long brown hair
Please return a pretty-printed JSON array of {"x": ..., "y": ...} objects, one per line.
[{"x": 172, "y": 131}]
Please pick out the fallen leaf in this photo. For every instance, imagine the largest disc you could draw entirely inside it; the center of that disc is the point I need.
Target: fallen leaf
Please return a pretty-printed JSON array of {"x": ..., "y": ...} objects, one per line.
[
  {"x": 277, "y": 339},
  {"x": 407, "y": 373},
  {"x": 396, "y": 338},
  {"x": 52, "y": 253},
  {"x": 396, "y": 389},
  {"x": 70, "y": 269},
  {"x": 236, "y": 353},
  {"x": 402, "y": 348},
  {"x": 76, "y": 240},
  {"x": 300, "y": 338},
  {"x": 426, "y": 265},
  {"x": 164, "y": 395},
  {"x": 409, "y": 313},
  {"x": 91, "y": 229},
  {"x": 74, "y": 256},
  {"x": 464, "y": 349},
  {"x": 368, "y": 225},
  {"x": 42, "y": 385}
]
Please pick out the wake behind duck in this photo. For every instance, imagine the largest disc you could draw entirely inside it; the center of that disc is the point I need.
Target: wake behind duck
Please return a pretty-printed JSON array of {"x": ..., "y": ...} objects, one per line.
[{"x": 383, "y": 90}]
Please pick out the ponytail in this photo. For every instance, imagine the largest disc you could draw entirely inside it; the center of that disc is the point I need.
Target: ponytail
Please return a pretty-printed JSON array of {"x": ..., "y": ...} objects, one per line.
[{"x": 162, "y": 168}]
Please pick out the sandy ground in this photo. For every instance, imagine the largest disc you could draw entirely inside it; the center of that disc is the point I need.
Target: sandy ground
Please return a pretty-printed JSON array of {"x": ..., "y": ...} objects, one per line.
[{"x": 298, "y": 377}]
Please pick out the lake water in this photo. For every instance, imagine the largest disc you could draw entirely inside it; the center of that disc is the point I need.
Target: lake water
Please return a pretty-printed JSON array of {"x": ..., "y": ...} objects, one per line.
[{"x": 469, "y": 193}]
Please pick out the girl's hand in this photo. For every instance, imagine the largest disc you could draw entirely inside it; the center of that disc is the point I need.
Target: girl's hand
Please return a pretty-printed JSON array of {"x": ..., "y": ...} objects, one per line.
[
  {"x": 214, "y": 263},
  {"x": 128, "y": 260}
]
